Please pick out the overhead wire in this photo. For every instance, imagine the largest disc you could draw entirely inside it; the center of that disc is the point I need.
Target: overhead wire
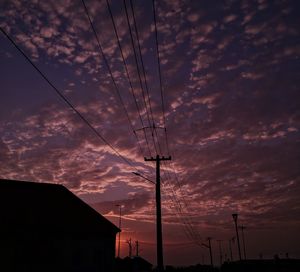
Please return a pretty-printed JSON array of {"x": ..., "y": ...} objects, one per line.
[
  {"x": 67, "y": 101},
  {"x": 126, "y": 71},
  {"x": 141, "y": 58},
  {"x": 144, "y": 73},
  {"x": 63, "y": 97},
  {"x": 187, "y": 223},
  {"x": 178, "y": 212},
  {"x": 155, "y": 144},
  {"x": 160, "y": 74},
  {"x": 181, "y": 214},
  {"x": 185, "y": 218},
  {"x": 136, "y": 61},
  {"x": 183, "y": 202},
  {"x": 111, "y": 75},
  {"x": 194, "y": 232}
]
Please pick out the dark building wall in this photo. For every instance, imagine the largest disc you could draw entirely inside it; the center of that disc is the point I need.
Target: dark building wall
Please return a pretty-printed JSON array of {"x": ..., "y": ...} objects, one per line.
[{"x": 42, "y": 251}]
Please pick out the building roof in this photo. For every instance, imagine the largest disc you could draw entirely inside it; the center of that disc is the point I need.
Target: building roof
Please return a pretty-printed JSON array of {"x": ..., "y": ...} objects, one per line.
[{"x": 50, "y": 207}]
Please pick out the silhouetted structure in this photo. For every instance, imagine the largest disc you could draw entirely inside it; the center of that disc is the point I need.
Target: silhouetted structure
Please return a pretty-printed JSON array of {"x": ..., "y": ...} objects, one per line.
[
  {"x": 44, "y": 227},
  {"x": 192, "y": 268},
  {"x": 120, "y": 221},
  {"x": 243, "y": 239},
  {"x": 275, "y": 265},
  {"x": 230, "y": 241},
  {"x": 133, "y": 264},
  {"x": 210, "y": 251},
  {"x": 159, "y": 238},
  {"x": 235, "y": 217}
]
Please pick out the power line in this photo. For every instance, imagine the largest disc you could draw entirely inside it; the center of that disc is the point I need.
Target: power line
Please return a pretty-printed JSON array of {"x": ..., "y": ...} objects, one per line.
[
  {"x": 141, "y": 58},
  {"x": 66, "y": 100},
  {"x": 136, "y": 61},
  {"x": 177, "y": 210},
  {"x": 144, "y": 73},
  {"x": 124, "y": 62},
  {"x": 187, "y": 224},
  {"x": 111, "y": 75},
  {"x": 175, "y": 199},
  {"x": 158, "y": 62},
  {"x": 140, "y": 79},
  {"x": 184, "y": 220},
  {"x": 192, "y": 233},
  {"x": 185, "y": 201},
  {"x": 160, "y": 76}
]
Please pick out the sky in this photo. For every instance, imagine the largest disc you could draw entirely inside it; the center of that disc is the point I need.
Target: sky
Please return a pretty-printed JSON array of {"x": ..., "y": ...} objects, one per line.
[{"x": 230, "y": 93}]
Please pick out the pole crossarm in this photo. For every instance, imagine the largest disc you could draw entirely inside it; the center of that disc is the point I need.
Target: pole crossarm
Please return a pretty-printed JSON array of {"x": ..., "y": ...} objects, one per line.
[{"x": 158, "y": 158}]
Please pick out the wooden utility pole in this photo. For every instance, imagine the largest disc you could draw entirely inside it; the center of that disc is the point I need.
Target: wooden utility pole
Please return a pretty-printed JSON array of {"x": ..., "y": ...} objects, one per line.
[{"x": 159, "y": 242}]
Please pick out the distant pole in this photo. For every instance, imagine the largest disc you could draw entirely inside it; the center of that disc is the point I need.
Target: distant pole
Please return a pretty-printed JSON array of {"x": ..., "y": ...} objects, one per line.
[
  {"x": 230, "y": 249},
  {"x": 235, "y": 217},
  {"x": 130, "y": 247},
  {"x": 159, "y": 242},
  {"x": 210, "y": 252},
  {"x": 120, "y": 216},
  {"x": 220, "y": 251},
  {"x": 137, "y": 248},
  {"x": 244, "y": 246}
]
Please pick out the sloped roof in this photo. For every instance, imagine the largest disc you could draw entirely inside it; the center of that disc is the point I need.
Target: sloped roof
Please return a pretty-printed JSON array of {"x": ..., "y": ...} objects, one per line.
[{"x": 44, "y": 206}]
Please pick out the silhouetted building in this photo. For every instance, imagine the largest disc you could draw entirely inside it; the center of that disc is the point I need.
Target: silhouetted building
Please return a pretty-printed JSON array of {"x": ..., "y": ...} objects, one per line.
[
  {"x": 44, "y": 227},
  {"x": 192, "y": 268},
  {"x": 275, "y": 265},
  {"x": 133, "y": 264}
]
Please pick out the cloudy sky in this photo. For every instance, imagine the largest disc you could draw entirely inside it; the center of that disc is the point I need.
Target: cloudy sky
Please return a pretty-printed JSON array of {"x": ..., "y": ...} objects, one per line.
[{"x": 230, "y": 86}]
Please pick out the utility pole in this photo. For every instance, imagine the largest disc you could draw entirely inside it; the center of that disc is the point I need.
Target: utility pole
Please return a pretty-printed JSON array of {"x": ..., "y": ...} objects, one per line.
[
  {"x": 159, "y": 242},
  {"x": 244, "y": 246},
  {"x": 235, "y": 217},
  {"x": 130, "y": 247},
  {"x": 210, "y": 251},
  {"x": 120, "y": 215},
  {"x": 137, "y": 248},
  {"x": 230, "y": 248}
]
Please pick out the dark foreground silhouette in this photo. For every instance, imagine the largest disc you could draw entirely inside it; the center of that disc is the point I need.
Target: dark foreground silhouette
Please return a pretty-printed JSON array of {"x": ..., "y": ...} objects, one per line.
[
  {"x": 44, "y": 227},
  {"x": 274, "y": 265}
]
